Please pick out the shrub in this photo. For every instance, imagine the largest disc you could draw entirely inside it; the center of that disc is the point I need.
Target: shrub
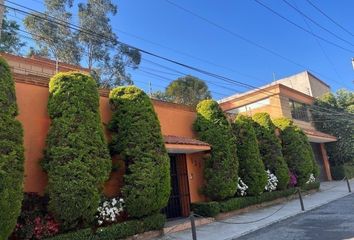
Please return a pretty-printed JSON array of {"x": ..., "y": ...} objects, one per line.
[
  {"x": 206, "y": 209},
  {"x": 270, "y": 148},
  {"x": 296, "y": 150},
  {"x": 117, "y": 231},
  {"x": 341, "y": 171},
  {"x": 251, "y": 165},
  {"x": 137, "y": 137},
  {"x": 11, "y": 154},
  {"x": 34, "y": 221},
  {"x": 76, "y": 157},
  {"x": 221, "y": 166}
]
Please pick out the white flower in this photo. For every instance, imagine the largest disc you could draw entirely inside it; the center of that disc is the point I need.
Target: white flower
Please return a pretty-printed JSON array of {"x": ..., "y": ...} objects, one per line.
[
  {"x": 241, "y": 187},
  {"x": 110, "y": 210},
  {"x": 272, "y": 182},
  {"x": 312, "y": 179}
]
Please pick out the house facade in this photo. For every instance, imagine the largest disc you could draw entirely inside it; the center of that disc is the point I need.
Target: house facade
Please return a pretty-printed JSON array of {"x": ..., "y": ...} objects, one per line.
[
  {"x": 31, "y": 76},
  {"x": 290, "y": 98}
]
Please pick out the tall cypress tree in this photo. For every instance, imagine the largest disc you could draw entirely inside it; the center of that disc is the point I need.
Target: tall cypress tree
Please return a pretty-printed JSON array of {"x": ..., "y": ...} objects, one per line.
[
  {"x": 76, "y": 158},
  {"x": 221, "y": 167},
  {"x": 11, "y": 154},
  {"x": 270, "y": 148},
  {"x": 296, "y": 150},
  {"x": 252, "y": 170},
  {"x": 137, "y": 138}
]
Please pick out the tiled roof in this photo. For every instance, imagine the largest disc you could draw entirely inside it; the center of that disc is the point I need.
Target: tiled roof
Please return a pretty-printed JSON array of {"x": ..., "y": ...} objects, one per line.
[
  {"x": 183, "y": 140},
  {"x": 318, "y": 134}
]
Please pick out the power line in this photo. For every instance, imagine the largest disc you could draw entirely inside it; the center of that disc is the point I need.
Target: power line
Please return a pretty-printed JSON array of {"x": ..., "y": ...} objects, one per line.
[
  {"x": 251, "y": 42},
  {"x": 316, "y": 23},
  {"x": 329, "y": 18}
]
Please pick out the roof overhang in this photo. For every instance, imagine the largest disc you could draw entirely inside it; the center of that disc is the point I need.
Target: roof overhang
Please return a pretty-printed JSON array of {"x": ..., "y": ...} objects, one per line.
[
  {"x": 176, "y": 144},
  {"x": 318, "y": 137}
]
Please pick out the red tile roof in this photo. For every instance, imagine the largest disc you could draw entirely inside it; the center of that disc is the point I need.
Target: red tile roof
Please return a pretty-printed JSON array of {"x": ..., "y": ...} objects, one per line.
[
  {"x": 169, "y": 139},
  {"x": 318, "y": 134}
]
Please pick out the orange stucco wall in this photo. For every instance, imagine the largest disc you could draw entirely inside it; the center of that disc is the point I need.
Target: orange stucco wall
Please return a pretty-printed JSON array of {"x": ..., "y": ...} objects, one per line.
[{"x": 32, "y": 102}]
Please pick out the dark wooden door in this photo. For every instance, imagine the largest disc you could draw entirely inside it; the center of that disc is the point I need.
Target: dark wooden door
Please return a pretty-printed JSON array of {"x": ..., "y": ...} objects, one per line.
[
  {"x": 318, "y": 156},
  {"x": 179, "y": 201}
]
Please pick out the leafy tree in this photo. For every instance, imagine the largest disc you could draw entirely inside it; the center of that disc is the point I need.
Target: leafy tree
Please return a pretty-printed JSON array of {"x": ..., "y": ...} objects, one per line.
[
  {"x": 221, "y": 166},
  {"x": 297, "y": 150},
  {"x": 76, "y": 157},
  {"x": 52, "y": 33},
  {"x": 110, "y": 68},
  {"x": 188, "y": 90},
  {"x": 10, "y": 40},
  {"x": 136, "y": 136},
  {"x": 270, "y": 148},
  {"x": 252, "y": 170},
  {"x": 332, "y": 114},
  {"x": 11, "y": 154}
]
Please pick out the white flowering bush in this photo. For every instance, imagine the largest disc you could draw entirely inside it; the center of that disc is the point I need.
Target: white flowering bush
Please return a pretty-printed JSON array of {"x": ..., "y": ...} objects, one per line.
[
  {"x": 272, "y": 182},
  {"x": 241, "y": 187},
  {"x": 312, "y": 179},
  {"x": 109, "y": 210}
]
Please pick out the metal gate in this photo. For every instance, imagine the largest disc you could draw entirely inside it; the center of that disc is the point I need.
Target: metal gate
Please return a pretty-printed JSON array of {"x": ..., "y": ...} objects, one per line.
[
  {"x": 319, "y": 159},
  {"x": 179, "y": 201}
]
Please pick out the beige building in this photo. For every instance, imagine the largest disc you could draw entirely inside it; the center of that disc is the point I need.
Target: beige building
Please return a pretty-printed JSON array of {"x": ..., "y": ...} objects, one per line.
[{"x": 289, "y": 97}]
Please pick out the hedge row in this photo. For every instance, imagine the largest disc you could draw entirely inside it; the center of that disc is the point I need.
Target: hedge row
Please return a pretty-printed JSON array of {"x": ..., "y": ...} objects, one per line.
[
  {"x": 211, "y": 209},
  {"x": 136, "y": 136},
  {"x": 11, "y": 154},
  {"x": 117, "y": 231},
  {"x": 341, "y": 171},
  {"x": 76, "y": 157},
  {"x": 221, "y": 166}
]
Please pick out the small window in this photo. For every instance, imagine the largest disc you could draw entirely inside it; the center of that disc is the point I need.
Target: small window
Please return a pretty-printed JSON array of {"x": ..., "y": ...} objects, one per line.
[{"x": 299, "y": 111}]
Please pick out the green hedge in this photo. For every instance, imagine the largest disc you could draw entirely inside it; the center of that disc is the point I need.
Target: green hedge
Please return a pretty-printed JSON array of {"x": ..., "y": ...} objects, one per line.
[
  {"x": 341, "y": 171},
  {"x": 296, "y": 150},
  {"x": 76, "y": 157},
  {"x": 136, "y": 136},
  {"x": 11, "y": 154},
  {"x": 117, "y": 231},
  {"x": 211, "y": 209},
  {"x": 252, "y": 171},
  {"x": 270, "y": 149},
  {"x": 221, "y": 166}
]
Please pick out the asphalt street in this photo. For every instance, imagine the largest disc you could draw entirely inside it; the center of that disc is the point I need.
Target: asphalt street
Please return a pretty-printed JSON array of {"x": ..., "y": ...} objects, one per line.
[{"x": 332, "y": 221}]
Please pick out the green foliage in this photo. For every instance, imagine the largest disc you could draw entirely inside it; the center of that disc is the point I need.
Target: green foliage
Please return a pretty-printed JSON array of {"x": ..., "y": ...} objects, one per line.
[
  {"x": 221, "y": 167},
  {"x": 137, "y": 137},
  {"x": 296, "y": 150},
  {"x": 333, "y": 114},
  {"x": 341, "y": 171},
  {"x": 252, "y": 170},
  {"x": 270, "y": 148},
  {"x": 10, "y": 40},
  {"x": 11, "y": 154},
  {"x": 117, "y": 231},
  {"x": 188, "y": 90},
  {"x": 76, "y": 157},
  {"x": 207, "y": 209}
]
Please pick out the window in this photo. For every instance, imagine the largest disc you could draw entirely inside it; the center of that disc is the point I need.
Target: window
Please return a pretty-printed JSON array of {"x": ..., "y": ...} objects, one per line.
[
  {"x": 299, "y": 111},
  {"x": 249, "y": 107}
]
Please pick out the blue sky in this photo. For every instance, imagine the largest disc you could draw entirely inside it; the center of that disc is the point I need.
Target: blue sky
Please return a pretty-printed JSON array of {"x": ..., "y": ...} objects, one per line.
[{"x": 173, "y": 33}]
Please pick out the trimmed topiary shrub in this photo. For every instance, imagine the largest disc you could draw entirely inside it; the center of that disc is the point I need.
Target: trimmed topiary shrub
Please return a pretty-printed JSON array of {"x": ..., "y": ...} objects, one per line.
[
  {"x": 137, "y": 138},
  {"x": 296, "y": 150},
  {"x": 221, "y": 167},
  {"x": 270, "y": 149},
  {"x": 11, "y": 154},
  {"x": 206, "y": 209},
  {"x": 76, "y": 157},
  {"x": 252, "y": 170}
]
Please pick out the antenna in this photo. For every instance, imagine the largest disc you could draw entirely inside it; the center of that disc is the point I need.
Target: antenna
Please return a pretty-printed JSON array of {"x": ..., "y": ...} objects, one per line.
[{"x": 150, "y": 88}]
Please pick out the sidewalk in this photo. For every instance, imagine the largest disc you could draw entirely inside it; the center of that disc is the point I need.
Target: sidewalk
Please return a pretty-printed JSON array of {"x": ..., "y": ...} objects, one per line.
[{"x": 329, "y": 191}]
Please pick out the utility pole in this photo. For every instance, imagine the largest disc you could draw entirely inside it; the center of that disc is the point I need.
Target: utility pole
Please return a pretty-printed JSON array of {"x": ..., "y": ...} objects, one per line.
[{"x": 2, "y": 12}]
